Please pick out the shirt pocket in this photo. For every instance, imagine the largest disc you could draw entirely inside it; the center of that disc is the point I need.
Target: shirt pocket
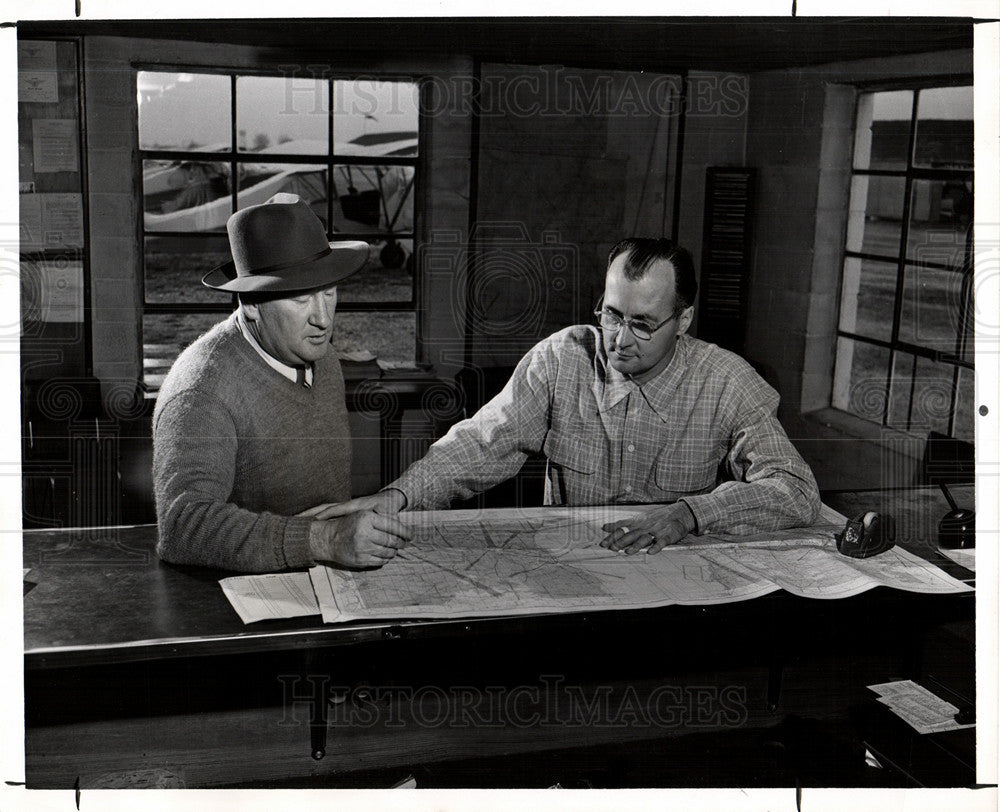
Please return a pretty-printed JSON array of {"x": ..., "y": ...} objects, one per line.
[
  {"x": 676, "y": 475},
  {"x": 572, "y": 452}
]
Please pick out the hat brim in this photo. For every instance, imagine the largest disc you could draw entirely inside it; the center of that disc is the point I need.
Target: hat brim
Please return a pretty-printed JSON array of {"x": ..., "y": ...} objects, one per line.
[{"x": 345, "y": 258}]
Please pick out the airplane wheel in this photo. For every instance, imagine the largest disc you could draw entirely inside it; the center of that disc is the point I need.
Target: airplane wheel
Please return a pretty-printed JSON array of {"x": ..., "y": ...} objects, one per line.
[{"x": 392, "y": 256}]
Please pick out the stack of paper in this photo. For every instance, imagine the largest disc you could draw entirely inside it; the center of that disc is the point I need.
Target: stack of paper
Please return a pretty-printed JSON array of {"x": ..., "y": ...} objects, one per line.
[
  {"x": 919, "y": 708},
  {"x": 270, "y": 597}
]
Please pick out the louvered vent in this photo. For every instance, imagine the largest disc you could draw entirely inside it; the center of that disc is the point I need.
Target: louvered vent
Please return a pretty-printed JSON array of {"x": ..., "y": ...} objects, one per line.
[{"x": 725, "y": 270}]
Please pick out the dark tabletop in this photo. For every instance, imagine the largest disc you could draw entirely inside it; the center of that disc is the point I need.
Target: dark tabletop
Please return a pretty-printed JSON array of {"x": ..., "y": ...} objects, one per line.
[{"x": 99, "y": 595}]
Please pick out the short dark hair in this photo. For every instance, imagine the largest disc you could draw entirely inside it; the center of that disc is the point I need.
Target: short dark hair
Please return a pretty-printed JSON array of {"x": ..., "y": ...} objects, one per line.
[{"x": 642, "y": 252}]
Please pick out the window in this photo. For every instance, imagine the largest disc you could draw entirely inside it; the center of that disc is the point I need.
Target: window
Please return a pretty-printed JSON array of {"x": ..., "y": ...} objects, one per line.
[
  {"x": 212, "y": 143},
  {"x": 905, "y": 333}
]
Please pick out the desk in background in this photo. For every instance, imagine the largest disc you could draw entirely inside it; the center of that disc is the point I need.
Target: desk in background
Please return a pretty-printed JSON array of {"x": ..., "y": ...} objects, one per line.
[
  {"x": 135, "y": 667},
  {"x": 88, "y": 462}
]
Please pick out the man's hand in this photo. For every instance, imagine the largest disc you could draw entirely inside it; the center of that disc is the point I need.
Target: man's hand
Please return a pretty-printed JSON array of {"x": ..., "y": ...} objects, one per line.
[
  {"x": 360, "y": 539},
  {"x": 386, "y": 502},
  {"x": 652, "y": 531}
]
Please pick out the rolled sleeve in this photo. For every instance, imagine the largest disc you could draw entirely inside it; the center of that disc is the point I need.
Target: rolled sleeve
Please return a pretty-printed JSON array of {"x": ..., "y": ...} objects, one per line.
[
  {"x": 770, "y": 485},
  {"x": 489, "y": 447}
]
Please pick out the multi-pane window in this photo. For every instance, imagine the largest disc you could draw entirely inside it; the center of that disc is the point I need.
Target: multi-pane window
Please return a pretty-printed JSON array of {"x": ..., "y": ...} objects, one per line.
[
  {"x": 905, "y": 335},
  {"x": 213, "y": 143}
]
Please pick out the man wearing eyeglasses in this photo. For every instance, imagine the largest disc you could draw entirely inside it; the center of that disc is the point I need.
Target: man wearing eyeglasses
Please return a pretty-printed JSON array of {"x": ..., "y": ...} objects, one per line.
[{"x": 632, "y": 411}]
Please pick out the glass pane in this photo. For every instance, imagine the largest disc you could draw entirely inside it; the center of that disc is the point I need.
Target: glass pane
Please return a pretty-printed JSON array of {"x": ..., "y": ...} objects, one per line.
[
  {"x": 375, "y": 118},
  {"x": 876, "y": 215},
  {"x": 965, "y": 405},
  {"x": 883, "y": 129},
  {"x": 175, "y": 266},
  {"x": 388, "y": 277},
  {"x": 164, "y": 335},
  {"x": 259, "y": 182},
  {"x": 931, "y": 307},
  {"x": 282, "y": 114},
  {"x": 940, "y": 214},
  {"x": 185, "y": 196},
  {"x": 932, "y": 394},
  {"x": 389, "y": 336},
  {"x": 899, "y": 394},
  {"x": 969, "y": 330},
  {"x": 188, "y": 111},
  {"x": 866, "y": 297},
  {"x": 859, "y": 378},
  {"x": 373, "y": 199},
  {"x": 944, "y": 127}
]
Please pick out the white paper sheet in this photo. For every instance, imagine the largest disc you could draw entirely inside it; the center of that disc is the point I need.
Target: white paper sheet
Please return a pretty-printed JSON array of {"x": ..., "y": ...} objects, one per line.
[
  {"x": 922, "y": 710},
  {"x": 270, "y": 597},
  {"x": 964, "y": 558},
  {"x": 38, "y": 87},
  {"x": 55, "y": 144},
  {"x": 51, "y": 220}
]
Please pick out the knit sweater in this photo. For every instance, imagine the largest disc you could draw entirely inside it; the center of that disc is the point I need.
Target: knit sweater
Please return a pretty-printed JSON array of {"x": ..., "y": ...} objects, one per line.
[{"x": 238, "y": 450}]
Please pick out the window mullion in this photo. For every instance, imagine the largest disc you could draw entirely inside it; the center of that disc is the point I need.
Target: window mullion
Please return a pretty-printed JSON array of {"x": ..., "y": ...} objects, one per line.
[
  {"x": 904, "y": 235},
  {"x": 329, "y": 158}
]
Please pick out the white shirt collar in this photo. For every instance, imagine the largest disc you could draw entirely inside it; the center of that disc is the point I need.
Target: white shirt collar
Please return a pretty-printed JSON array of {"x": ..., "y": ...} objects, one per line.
[{"x": 284, "y": 369}]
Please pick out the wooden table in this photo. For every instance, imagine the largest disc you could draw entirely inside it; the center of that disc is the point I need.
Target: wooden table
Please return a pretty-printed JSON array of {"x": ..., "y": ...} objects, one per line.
[{"x": 132, "y": 664}]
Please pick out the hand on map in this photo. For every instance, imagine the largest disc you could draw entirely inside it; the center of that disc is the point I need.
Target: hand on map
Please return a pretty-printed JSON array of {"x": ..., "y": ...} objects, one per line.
[
  {"x": 384, "y": 502},
  {"x": 359, "y": 539},
  {"x": 658, "y": 527}
]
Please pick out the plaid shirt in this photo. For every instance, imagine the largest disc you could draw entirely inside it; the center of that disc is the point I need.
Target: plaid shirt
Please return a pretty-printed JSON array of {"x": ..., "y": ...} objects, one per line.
[{"x": 704, "y": 431}]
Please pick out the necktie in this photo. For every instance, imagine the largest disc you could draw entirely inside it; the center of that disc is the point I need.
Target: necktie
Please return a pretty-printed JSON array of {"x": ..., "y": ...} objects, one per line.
[{"x": 300, "y": 376}]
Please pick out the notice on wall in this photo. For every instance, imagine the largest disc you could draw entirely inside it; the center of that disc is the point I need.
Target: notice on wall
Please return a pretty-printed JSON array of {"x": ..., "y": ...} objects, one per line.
[
  {"x": 30, "y": 222},
  {"x": 55, "y": 145},
  {"x": 36, "y": 55},
  {"x": 61, "y": 285},
  {"x": 51, "y": 221},
  {"x": 39, "y": 86}
]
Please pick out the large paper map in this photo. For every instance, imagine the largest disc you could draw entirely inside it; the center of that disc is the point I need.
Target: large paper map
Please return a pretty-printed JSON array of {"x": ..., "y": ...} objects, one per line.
[{"x": 472, "y": 563}]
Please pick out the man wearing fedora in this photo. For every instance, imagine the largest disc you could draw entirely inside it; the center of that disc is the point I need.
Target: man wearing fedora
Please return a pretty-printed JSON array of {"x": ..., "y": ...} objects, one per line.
[{"x": 250, "y": 426}]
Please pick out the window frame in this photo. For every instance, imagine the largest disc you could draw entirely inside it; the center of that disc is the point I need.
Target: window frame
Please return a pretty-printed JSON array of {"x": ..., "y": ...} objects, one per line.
[
  {"x": 233, "y": 157},
  {"x": 910, "y": 174}
]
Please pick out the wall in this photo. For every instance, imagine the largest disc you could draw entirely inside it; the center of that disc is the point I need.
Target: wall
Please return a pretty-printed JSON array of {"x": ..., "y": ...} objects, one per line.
[
  {"x": 570, "y": 161},
  {"x": 799, "y": 136},
  {"x": 714, "y": 135}
]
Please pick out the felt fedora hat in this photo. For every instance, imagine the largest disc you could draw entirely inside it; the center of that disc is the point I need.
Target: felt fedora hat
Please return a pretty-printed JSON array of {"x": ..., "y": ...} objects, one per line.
[{"x": 280, "y": 245}]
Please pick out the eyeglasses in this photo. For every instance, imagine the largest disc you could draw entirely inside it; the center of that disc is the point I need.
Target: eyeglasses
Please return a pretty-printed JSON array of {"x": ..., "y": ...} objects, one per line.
[{"x": 613, "y": 322}]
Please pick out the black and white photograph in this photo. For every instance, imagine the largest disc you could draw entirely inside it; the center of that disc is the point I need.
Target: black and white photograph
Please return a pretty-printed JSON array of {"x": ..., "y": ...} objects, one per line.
[{"x": 508, "y": 403}]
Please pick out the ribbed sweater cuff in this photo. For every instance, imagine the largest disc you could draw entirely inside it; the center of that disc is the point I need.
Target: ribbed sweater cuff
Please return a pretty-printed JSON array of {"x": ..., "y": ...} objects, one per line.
[{"x": 296, "y": 543}]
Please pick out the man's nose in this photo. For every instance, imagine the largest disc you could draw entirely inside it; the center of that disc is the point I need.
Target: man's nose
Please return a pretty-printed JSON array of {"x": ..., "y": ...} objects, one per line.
[
  {"x": 320, "y": 311},
  {"x": 625, "y": 337}
]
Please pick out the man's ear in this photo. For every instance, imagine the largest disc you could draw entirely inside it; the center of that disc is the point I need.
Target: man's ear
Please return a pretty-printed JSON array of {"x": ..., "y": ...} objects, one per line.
[
  {"x": 251, "y": 312},
  {"x": 685, "y": 319}
]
